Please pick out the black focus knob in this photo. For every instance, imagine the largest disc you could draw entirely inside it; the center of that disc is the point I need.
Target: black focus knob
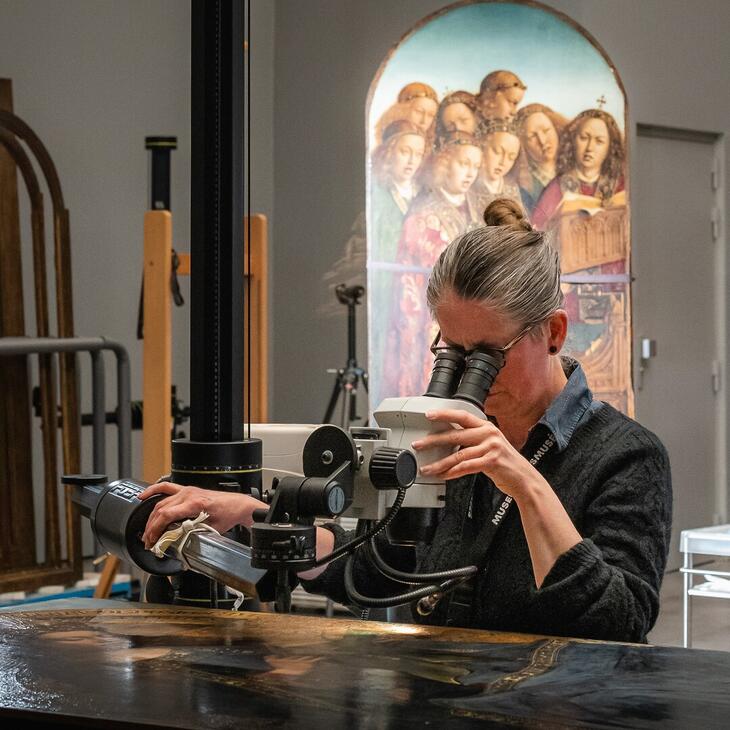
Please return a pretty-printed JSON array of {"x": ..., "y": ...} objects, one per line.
[{"x": 392, "y": 468}]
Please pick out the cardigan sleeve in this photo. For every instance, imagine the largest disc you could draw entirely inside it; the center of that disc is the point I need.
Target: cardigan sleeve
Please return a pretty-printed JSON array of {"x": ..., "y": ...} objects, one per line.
[
  {"x": 367, "y": 579},
  {"x": 607, "y": 586}
]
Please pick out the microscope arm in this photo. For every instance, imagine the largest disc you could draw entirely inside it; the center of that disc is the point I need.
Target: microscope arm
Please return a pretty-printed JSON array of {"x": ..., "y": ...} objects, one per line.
[
  {"x": 224, "y": 560},
  {"x": 118, "y": 518}
]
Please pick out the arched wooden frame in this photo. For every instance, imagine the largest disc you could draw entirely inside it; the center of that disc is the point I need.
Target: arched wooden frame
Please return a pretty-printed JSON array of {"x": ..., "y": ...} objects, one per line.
[{"x": 54, "y": 568}]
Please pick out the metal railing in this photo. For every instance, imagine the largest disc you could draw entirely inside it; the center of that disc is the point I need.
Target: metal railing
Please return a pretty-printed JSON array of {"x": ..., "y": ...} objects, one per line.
[{"x": 94, "y": 346}]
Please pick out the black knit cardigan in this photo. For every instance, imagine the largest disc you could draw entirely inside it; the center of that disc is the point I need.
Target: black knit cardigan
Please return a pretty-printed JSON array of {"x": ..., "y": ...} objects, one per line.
[{"x": 614, "y": 481}]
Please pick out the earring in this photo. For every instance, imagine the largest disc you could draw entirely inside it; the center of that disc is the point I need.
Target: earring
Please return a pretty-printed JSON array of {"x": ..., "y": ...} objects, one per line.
[{"x": 553, "y": 349}]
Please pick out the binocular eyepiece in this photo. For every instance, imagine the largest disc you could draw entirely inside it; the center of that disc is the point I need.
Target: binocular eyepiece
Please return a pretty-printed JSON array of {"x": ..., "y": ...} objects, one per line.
[{"x": 464, "y": 376}]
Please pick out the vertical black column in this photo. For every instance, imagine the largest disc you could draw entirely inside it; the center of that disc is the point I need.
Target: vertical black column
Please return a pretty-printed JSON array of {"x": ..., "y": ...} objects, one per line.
[
  {"x": 216, "y": 226},
  {"x": 160, "y": 147}
]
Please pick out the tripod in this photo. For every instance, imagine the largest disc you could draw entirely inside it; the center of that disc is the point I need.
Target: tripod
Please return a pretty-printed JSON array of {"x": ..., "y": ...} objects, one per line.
[{"x": 347, "y": 378}]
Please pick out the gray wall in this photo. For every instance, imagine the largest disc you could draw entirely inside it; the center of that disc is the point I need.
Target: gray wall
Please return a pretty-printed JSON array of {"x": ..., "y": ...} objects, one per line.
[
  {"x": 94, "y": 77},
  {"x": 672, "y": 56}
]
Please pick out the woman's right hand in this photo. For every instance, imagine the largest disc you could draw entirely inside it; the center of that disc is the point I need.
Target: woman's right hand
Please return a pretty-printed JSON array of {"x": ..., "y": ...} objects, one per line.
[{"x": 226, "y": 509}]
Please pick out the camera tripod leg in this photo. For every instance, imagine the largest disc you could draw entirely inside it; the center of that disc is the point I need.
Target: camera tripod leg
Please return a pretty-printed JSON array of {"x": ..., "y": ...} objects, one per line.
[
  {"x": 352, "y": 397},
  {"x": 333, "y": 398}
]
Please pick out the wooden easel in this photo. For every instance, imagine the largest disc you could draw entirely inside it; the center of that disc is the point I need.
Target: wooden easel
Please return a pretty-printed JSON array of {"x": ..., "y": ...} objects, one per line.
[
  {"x": 17, "y": 542},
  {"x": 19, "y": 146},
  {"x": 157, "y": 358}
]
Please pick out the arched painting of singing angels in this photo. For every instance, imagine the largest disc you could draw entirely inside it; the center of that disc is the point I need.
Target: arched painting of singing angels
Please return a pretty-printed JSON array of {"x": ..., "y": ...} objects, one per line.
[{"x": 484, "y": 100}]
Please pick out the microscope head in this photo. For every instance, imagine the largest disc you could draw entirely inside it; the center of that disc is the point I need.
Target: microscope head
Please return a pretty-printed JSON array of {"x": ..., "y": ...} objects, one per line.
[
  {"x": 460, "y": 381},
  {"x": 382, "y": 457}
]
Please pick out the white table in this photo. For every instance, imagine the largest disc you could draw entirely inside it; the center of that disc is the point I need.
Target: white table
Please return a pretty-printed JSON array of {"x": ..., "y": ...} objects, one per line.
[{"x": 714, "y": 541}]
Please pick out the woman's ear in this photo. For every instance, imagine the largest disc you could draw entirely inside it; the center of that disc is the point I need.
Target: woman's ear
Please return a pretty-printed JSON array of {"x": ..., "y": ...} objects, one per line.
[{"x": 557, "y": 330}]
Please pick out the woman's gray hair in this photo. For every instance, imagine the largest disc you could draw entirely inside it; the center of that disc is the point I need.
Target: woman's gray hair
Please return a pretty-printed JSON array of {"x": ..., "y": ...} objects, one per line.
[{"x": 512, "y": 267}]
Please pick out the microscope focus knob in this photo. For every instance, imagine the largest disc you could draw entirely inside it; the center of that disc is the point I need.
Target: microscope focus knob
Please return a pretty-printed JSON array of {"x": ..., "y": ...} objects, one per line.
[{"x": 392, "y": 468}]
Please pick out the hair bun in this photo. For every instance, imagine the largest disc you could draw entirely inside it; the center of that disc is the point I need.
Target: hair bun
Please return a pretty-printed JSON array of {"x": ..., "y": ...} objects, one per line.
[{"x": 506, "y": 212}]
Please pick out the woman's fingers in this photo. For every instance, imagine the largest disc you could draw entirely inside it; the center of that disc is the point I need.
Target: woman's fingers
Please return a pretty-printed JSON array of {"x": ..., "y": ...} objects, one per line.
[
  {"x": 160, "y": 488},
  {"x": 453, "y": 437},
  {"x": 443, "y": 466},
  {"x": 166, "y": 512},
  {"x": 470, "y": 430},
  {"x": 461, "y": 418},
  {"x": 470, "y": 466}
]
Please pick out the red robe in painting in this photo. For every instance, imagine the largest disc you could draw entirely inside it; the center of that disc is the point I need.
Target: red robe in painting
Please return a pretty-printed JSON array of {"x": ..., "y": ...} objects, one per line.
[
  {"x": 431, "y": 224},
  {"x": 552, "y": 196}
]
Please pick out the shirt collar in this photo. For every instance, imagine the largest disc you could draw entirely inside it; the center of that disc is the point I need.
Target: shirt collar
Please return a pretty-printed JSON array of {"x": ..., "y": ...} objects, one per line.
[{"x": 572, "y": 405}]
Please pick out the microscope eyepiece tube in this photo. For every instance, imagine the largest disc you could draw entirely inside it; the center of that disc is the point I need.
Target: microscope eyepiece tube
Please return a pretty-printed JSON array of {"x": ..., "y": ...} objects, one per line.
[
  {"x": 481, "y": 369},
  {"x": 447, "y": 369}
]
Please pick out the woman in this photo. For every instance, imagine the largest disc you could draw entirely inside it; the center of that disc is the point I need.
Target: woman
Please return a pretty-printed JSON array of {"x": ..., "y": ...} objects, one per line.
[
  {"x": 446, "y": 206},
  {"x": 417, "y": 103},
  {"x": 539, "y": 128},
  {"x": 395, "y": 163},
  {"x": 582, "y": 547},
  {"x": 456, "y": 113},
  {"x": 445, "y": 209},
  {"x": 500, "y": 93},
  {"x": 590, "y": 168},
  {"x": 500, "y": 149}
]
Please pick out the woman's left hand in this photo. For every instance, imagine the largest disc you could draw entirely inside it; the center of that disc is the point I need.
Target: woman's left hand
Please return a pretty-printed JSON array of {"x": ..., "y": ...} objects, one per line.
[{"x": 482, "y": 448}]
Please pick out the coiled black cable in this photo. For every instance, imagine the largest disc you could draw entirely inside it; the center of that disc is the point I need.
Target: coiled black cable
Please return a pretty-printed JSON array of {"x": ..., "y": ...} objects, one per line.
[
  {"x": 451, "y": 578},
  {"x": 416, "y": 578},
  {"x": 389, "y": 601}
]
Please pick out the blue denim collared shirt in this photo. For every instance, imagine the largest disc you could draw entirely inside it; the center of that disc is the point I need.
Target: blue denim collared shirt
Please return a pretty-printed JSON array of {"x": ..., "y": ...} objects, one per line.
[{"x": 573, "y": 406}]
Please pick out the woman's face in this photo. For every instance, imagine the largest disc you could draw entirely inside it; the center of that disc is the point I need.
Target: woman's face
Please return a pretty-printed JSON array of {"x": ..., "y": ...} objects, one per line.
[
  {"x": 591, "y": 146},
  {"x": 421, "y": 112},
  {"x": 458, "y": 117},
  {"x": 500, "y": 152},
  {"x": 407, "y": 156},
  {"x": 462, "y": 167},
  {"x": 503, "y": 103},
  {"x": 541, "y": 138},
  {"x": 523, "y": 381}
]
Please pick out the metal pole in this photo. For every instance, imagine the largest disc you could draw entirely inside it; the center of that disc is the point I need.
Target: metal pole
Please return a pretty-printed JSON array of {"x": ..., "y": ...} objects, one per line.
[
  {"x": 124, "y": 410},
  {"x": 688, "y": 581},
  {"x": 29, "y": 345},
  {"x": 98, "y": 396},
  {"x": 351, "y": 341}
]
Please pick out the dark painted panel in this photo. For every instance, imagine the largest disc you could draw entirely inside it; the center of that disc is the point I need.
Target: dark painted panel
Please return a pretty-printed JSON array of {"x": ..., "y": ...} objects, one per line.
[{"x": 198, "y": 668}]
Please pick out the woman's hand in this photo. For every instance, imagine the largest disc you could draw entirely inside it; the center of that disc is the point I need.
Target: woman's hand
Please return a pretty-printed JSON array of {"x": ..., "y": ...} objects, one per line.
[
  {"x": 226, "y": 509},
  {"x": 482, "y": 448}
]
